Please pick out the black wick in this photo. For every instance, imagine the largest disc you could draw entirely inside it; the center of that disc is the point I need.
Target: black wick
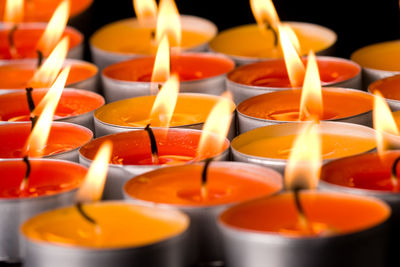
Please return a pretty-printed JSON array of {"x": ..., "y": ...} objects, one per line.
[
  {"x": 274, "y": 32},
  {"x": 79, "y": 207},
  {"x": 31, "y": 106},
  {"x": 153, "y": 144},
  {"x": 302, "y": 215},
  {"x": 40, "y": 58},
  {"x": 205, "y": 169},
  {"x": 27, "y": 173},
  {"x": 13, "y": 49},
  {"x": 394, "y": 177}
]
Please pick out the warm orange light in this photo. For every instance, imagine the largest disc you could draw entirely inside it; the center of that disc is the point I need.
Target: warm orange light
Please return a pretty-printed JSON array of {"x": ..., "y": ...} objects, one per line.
[
  {"x": 145, "y": 9},
  {"x": 55, "y": 28},
  {"x": 303, "y": 167},
  {"x": 168, "y": 23},
  {"x": 216, "y": 127},
  {"x": 165, "y": 102},
  {"x": 14, "y": 11},
  {"x": 294, "y": 65},
  {"x": 161, "y": 67},
  {"x": 47, "y": 73},
  {"x": 383, "y": 122},
  {"x": 38, "y": 138},
  {"x": 311, "y": 95},
  {"x": 264, "y": 12},
  {"x": 93, "y": 185}
]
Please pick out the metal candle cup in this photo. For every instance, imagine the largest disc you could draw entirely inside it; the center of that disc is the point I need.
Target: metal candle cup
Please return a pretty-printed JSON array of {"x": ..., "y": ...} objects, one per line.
[
  {"x": 167, "y": 248},
  {"x": 388, "y": 87},
  {"x": 180, "y": 183},
  {"x": 122, "y": 115},
  {"x": 64, "y": 140},
  {"x": 348, "y": 130},
  {"x": 131, "y": 147},
  {"x": 132, "y": 39},
  {"x": 198, "y": 73},
  {"x": 252, "y": 231},
  {"x": 269, "y": 76},
  {"x": 15, "y": 210},
  {"x": 247, "y": 44},
  {"x": 75, "y": 106},
  {"x": 339, "y": 105}
]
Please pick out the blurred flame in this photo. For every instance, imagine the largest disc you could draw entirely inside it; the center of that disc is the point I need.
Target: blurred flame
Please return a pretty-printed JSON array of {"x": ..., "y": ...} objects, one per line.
[
  {"x": 303, "y": 167},
  {"x": 311, "y": 95},
  {"x": 14, "y": 11},
  {"x": 216, "y": 127},
  {"x": 145, "y": 9},
  {"x": 294, "y": 65},
  {"x": 168, "y": 23},
  {"x": 161, "y": 67},
  {"x": 49, "y": 70},
  {"x": 55, "y": 28},
  {"x": 38, "y": 138},
  {"x": 264, "y": 12},
  {"x": 383, "y": 122},
  {"x": 165, "y": 102},
  {"x": 93, "y": 185}
]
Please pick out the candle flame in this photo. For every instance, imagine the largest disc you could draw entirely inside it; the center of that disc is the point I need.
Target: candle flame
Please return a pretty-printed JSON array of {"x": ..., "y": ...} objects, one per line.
[
  {"x": 161, "y": 67},
  {"x": 47, "y": 73},
  {"x": 145, "y": 9},
  {"x": 165, "y": 102},
  {"x": 264, "y": 12},
  {"x": 216, "y": 128},
  {"x": 55, "y": 28},
  {"x": 294, "y": 65},
  {"x": 168, "y": 23},
  {"x": 303, "y": 167},
  {"x": 93, "y": 185},
  {"x": 14, "y": 11},
  {"x": 311, "y": 95},
  {"x": 37, "y": 140},
  {"x": 383, "y": 122}
]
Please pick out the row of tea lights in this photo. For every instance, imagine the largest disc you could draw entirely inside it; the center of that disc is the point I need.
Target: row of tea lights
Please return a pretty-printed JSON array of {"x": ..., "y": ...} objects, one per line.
[{"x": 196, "y": 211}]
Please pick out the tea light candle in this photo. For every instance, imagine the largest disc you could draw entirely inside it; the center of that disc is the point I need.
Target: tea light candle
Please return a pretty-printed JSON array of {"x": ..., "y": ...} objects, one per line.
[
  {"x": 388, "y": 88},
  {"x": 198, "y": 73},
  {"x": 180, "y": 187},
  {"x": 50, "y": 186}
]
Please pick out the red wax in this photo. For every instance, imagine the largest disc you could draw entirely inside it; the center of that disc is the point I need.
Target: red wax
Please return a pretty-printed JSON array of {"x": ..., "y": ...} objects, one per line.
[
  {"x": 365, "y": 171},
  {"x": 63, "y": 137},
  {"x": 14, "y": 106},
  {"x": 133, "y": 148},
  {"x": 189, "y": 67},
  {"x": 26, "y": 38},
  {"x": 46, "y": 178},
  {"x": 388, "y": 87},
  {"x": 273, "y": 73}
]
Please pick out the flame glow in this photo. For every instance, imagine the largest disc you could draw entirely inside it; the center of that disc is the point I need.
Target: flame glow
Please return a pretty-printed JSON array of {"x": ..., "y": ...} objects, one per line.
[
  {"x": 168, "y": 23},
  {"x": 294, "y": 65},
  {"x": 383, "y": 122},
  {"x": 145, "y": 9},
  {"x": 311, "y": 95},
  {"x": 216, "y": 127},
  {"x": 14, "y": 11},
  {"x": 47, "y": 73},
  {"x": 161, "y": 67},
  {"x": 264, "y": 12},
  {"x": 38, "y": 138},
  {"x": 165, "y": 102},
  {"x": 93, "y": 185},
  {"x": 55, "y": 28},
  {"x": 303, "y": 167}
]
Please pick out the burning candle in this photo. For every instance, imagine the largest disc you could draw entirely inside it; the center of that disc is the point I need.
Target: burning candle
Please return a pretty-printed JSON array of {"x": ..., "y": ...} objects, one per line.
[{"x": 388, "y": 88}]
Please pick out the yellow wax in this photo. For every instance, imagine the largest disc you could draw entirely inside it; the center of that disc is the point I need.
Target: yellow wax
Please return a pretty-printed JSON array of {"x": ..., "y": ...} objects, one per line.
[
  {"x": 333, "y": 146},
  {"x": 249, "y": 41},
  {"x": 381, "y": 56},
  {"x": 119, "y": 225},
  {"x": 129, "y": 37}
]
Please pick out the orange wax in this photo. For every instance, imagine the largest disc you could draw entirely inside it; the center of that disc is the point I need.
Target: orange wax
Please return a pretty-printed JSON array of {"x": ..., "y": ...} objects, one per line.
[
  {"x": 26, "y": 38},
  {"x": 189, "y": 67},
  {"x": 181, "y": 185},
  {"x": 337, "y": 213},
  {"x": 17, "y": 76},
  {"x": 42, "y": 10},
  {"x": 284, "y": 105},
  {"x": 72, "y": 103},
  {"x": 273, "y": 73},
  {"x": 175, "y": 146},
  {"x": 388, "y": 87},
  {"x": 46, "y": 178},
  {"x": 63, "y": 137}
]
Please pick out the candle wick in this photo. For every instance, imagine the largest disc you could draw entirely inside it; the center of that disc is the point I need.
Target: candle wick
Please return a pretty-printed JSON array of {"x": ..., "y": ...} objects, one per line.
[
  {"x": 40, "y": 58},
  {"x": 31, "y": 105},
  {"x": 79, "y": 207},
  {"x": 24, "y": 183},
  {"x": 394, "y": 177},
  {"x": 11, "y": 34},
  {"x": 152, "y": 34},
  {"x": 304, "y": 223},
  {"x": 153, "y": 144},
  {"x": 204, "y": 178},
  {"x": 274, "y": 32}
]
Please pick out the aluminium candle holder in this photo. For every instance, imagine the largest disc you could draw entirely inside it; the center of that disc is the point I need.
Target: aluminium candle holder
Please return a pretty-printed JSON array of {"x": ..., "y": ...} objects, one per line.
[{"x": 387, "y": 87}]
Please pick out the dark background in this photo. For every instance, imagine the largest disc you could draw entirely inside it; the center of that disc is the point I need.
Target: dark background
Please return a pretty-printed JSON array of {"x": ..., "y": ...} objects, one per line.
[{"x": 357, "y": 22}]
